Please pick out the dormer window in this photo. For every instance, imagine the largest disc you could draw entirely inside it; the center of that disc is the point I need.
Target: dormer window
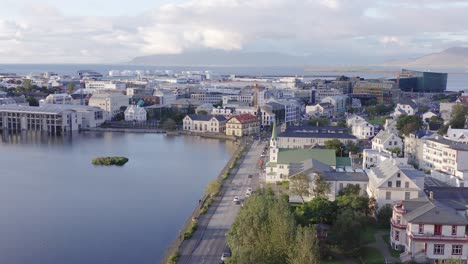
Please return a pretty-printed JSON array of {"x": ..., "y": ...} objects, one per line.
[{"x": 398, "y": 175}]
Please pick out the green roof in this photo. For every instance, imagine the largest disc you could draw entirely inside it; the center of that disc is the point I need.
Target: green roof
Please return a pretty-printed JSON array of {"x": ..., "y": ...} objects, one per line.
[
  {"x": 343, "y": 161},
  {"x": 327, "y": 156}
]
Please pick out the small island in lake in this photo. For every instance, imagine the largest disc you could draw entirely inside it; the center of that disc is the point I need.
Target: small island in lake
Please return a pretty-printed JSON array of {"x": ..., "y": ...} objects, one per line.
[{"x": 107, "y": 161}]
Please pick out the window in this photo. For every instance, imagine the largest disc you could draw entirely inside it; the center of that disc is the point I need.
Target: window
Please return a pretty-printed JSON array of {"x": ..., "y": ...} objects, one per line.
[
  {"x": 398, "y": 184},
  {"x": 341, "y": 186},
  {"x": 421, "y": 229},
  {"x": 388, "y": 195},
  {"x": 406, "y": 184},
  {"x": 407, "y": 195},
  {"x": 397, "y": 235},
  {"x": 439, "y": 249},
  {"x": 454, "y": 230},
  {"x": 457, "y": 249},
  {"x": 398, "y": 175},
  {"x": 389, "y": 184},
  {"x": 398, "y": 219},
  {"x": 438, "y": 230}
]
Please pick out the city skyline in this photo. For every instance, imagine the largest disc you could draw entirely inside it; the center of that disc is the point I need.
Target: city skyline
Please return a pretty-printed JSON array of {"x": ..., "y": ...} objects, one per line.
[{"x": 333, "y": 31}]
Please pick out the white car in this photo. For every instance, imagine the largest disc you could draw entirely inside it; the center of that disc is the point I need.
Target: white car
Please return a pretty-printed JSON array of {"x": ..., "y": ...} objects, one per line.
[
  {"x": 236, "y": 200},
  {"x": 248, "y": 192}
]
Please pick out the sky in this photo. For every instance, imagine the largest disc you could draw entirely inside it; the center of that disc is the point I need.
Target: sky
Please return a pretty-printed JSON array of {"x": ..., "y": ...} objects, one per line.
[{"x": 332, "y": 31}]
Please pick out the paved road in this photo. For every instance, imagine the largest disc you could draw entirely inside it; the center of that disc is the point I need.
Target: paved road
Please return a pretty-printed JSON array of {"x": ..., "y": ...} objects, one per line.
[{"x": 207, "y": 244}]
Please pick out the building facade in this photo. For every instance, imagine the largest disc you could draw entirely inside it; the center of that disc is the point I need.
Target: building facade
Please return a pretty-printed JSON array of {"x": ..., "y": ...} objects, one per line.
[
  {"x": 109, "y": 102},
  {"x": 204, "y": 123},
  {"x": 242, "y": 125}
]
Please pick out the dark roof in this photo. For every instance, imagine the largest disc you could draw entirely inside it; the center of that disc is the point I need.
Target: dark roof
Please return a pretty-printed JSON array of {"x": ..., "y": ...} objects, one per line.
[
  {"x": 317, "y": 128},
  {"x": 345, "y": 176},
  {"x": 454, "y": 197},
  {"x": 207, "y": 117},
  {"x": 452, "y": 144},
  {"x": 315, "y": 135},
  {"x": 408, "y": 102},
  {"x": 433, "y": 212},
  {"x": 421, "y": 133}
]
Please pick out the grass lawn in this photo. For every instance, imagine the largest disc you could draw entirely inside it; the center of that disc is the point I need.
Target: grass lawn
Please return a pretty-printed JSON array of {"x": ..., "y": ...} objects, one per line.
[
  {"x": 378, "y": 120},
  {"x": 393, "y": 252},
  {"x": 371, "y": 255},
  {"x": 333, "y": 261}
]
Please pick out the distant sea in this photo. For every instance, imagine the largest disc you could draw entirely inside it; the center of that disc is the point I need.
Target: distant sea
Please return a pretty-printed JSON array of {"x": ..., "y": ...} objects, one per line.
[{"x": 457, "y": 78}]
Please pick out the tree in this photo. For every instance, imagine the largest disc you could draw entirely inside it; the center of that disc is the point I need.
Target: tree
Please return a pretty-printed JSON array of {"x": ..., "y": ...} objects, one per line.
[
  {"x": 70, "y": 87},
  {"x": 213, "y": 187},
  {"x": 169, "y": 124},
  {"x": 352, "y": 147},
  {"x": 384, "y": 215},
  {"x": 32, "y": 101},
  {"x": 459, "y": 114},
  {"x": 336, "y": 145},
  {"x": 306, "y": 247},
  {"x": 263, "y": 231},
  {"x": 342, "y": 123},
  {"x": 395, "y": 150},
  {"x": 202, "y": 112},
  {"x": 347, "y": 230},
  {"x": 408, "y": 123},
  {"x": 27, "y": 84},
  {"x": 319, "y": 210},
  {"x": 300, "y": 186},
  {"x": 436, "y": 120},
  {"x": 350, "y": 197},
  {"x": 321, "y": 187}
]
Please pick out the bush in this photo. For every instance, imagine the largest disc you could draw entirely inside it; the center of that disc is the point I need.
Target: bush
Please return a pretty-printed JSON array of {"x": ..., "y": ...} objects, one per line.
[
  {"x": 214, "y": 187},
  {"x": 384, "y": 215},
  {"x": 207, "y": 205},
  {"x": 226, "y": 175},
  {"x": 190, "y": 230},
  {"x": 173, "y": 258},
  {"x": 107, "y": 161}
]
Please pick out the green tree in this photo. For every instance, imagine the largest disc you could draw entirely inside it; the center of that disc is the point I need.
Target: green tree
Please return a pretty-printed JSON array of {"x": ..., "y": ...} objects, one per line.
[
  {"x": 263, "y": 231},
  {"x": 321, "y": 187},
  {"x": 352, "y": 147},
  {"x": 70, "y": 87},
  {"x": 459, "y": 114},
  {"x": 305, "y": 249},
  {"x": 214, "y": 187},
  {"x": 408, "y": 123},
  {"x": 384, "y": 215},
  {"x": 300, "y": 186},
  {"x": 169, "y": 124},
  {"x": 395, "y": 150},
  {"x": 202, "y": 112},
  {"x": 435, "y": 120},
  {"x": 336, "y": 145},
  {"x": 342, "y": 123},
  {"x": 350, "y": 197},
  {"x": 32, "y": 101},
  {"x": 27, "y": 85},
  {"x": 319, "y": 210},
  {"x": 346, "y": 230}
]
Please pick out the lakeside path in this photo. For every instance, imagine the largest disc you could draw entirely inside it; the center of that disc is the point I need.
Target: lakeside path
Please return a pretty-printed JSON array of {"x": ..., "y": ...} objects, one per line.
[{"x": 207, "y": 243}]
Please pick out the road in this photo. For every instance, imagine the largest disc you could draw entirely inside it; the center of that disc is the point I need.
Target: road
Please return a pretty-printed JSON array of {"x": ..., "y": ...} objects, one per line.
[{"x": 207, "y": 244}]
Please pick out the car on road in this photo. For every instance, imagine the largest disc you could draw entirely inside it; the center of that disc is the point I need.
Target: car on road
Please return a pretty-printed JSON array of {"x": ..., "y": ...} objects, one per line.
[
  {"x": 250, "y": 176},
  {"x": 236, "y": 200},
  {"x": 248, "y": 192},
  {"x": 226, "y": 253}
]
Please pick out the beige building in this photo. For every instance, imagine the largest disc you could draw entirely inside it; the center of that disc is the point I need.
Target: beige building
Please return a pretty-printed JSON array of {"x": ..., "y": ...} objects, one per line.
[
  {"x": 109, "y": 102},
  {"x": 242, "y": 125}
]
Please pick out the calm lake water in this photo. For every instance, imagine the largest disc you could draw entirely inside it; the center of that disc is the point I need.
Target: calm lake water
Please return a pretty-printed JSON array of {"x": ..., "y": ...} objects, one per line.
[{"x": 56, "y": 207}]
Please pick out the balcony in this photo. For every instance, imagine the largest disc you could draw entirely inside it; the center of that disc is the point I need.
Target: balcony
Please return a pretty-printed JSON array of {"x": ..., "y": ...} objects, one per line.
[
  {"x": 397, "y": 225},
  {"x": 432, "y": 237}
]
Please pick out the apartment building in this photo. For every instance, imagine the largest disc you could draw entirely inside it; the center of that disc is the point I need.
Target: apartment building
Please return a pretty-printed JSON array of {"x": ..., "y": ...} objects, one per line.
[
  {"x": 386, "y": 141},
  {"x": 309, "y": 136},
  {"x": 339, "y": 102},
  {"x": 360, "y": 128},
  {"x": 204, "y": 123},
  {"x": 385, "y": 92},
  {"x": 109, "y": 102},
  {"x": 447, "y": 157},
  {"x": 242, "y": 125},
  {"x": 320, "y": 109},
  {"x": 62, "y": 98},
  {"x": 105, "y": 85}
]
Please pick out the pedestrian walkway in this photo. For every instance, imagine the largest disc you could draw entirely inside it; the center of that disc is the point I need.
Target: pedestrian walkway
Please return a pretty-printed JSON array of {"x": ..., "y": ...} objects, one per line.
[{"x": 383, "y": 247}]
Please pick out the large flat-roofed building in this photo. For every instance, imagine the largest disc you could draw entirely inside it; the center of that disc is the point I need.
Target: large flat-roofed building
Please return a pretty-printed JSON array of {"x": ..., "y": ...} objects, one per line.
[
  {"x": 417, "y": 81},
  {"x": 386, "y": 92},
  {"x": 308, "y": 136},
  {"x": 55, "y": 119}
]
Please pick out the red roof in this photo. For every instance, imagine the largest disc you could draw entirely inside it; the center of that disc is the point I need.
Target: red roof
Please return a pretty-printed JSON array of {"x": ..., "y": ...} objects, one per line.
[{"x": 245, "y": 118}]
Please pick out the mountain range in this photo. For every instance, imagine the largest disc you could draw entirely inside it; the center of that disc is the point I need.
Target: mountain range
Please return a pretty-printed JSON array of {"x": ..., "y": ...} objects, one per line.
[{"x": 452, "y": 57}]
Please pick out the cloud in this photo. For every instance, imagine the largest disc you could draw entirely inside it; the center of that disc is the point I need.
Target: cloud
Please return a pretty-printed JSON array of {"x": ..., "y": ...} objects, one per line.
[{"x": 340, "y": 29}]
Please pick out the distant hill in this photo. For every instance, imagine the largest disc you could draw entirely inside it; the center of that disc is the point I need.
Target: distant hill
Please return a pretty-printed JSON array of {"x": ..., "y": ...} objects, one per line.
[
  {"x": 223, "y": 58},
  {"x": 452, "y": 57}
]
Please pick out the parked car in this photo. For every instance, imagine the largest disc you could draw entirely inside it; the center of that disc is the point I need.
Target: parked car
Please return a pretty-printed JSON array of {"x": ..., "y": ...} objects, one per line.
[
  {"x": 236, "y": 200},
  {"x": 226, "y": 253}
]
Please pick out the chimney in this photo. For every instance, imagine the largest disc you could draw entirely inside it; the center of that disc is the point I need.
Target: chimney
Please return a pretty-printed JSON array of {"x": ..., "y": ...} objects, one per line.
[{"x": 431, "y": 195}]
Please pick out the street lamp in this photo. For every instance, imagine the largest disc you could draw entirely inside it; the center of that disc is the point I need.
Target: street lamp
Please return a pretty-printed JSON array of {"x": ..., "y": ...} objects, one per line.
[{"x": 341, "y": 148}]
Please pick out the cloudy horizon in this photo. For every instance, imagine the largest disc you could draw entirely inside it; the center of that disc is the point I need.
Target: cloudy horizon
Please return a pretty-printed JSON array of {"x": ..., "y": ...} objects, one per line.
[{"x": 335, "y": 31}]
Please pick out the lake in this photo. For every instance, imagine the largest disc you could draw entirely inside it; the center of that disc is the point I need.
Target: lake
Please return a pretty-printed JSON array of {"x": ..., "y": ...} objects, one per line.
[{"x": 56, "y": 207}]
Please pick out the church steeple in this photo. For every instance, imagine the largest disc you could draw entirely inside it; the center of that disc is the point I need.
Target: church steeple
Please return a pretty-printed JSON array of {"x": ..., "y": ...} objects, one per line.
[
  {"x": 273, "y": 131},
  {"x": 273, "y": 144}
]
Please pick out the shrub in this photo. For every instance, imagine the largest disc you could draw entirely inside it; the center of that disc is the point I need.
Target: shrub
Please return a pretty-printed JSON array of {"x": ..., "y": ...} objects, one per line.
[
  {"x": 190, "y": 230},
  {"x": 214, "y": 187},
  {"x": 173, "y": 258},
  {"x": 107, "y": 161},
  {"x": 226, "y": 175}
]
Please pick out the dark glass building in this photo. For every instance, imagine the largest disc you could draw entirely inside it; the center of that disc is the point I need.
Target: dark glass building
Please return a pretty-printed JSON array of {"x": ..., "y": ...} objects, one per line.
[{"x": 417, "y": 81}]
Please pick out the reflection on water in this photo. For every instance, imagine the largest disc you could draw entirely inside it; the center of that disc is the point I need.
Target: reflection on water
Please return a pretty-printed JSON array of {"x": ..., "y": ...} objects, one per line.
[{"x": 56, "y": 207}]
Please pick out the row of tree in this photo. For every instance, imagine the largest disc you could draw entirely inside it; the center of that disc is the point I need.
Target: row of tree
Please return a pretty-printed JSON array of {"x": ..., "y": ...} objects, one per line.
[{"x": 265, "y": 231}]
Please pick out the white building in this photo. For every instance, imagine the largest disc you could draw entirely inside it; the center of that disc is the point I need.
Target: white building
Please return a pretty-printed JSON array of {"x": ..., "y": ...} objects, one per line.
[
  {"x": 372, "y": 158},
  {"x": 309, "y": 136},
  {"x": 457, "y": 135},
  {"x": 406, "y": 107},
  {"x": 105, "y": 85},
  {"x": 224, "y": 111},
  {"x": 426, "y": 117},
  {"x": 447, "y": 157},
  {"x": 135, "y": 113},
  {"x": 320, "y": 109},
  {"x": 394, "y": 180},
  {"x": 166, "y": 97},
  {"x": 58, "y": 99},
  {"x": 292, "y": 110},
  {"x": 109, "y": 102},
  {"x": 339, "y": 102},
  {"x": 385, "y": 141},
  {"x": 205, "y": 123},
  {"x": 429, "y": 230},
  {"x": 414, "y": 143},
  {"x": 207, "y": 107},
  {"x": 360, "y": 127}
]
